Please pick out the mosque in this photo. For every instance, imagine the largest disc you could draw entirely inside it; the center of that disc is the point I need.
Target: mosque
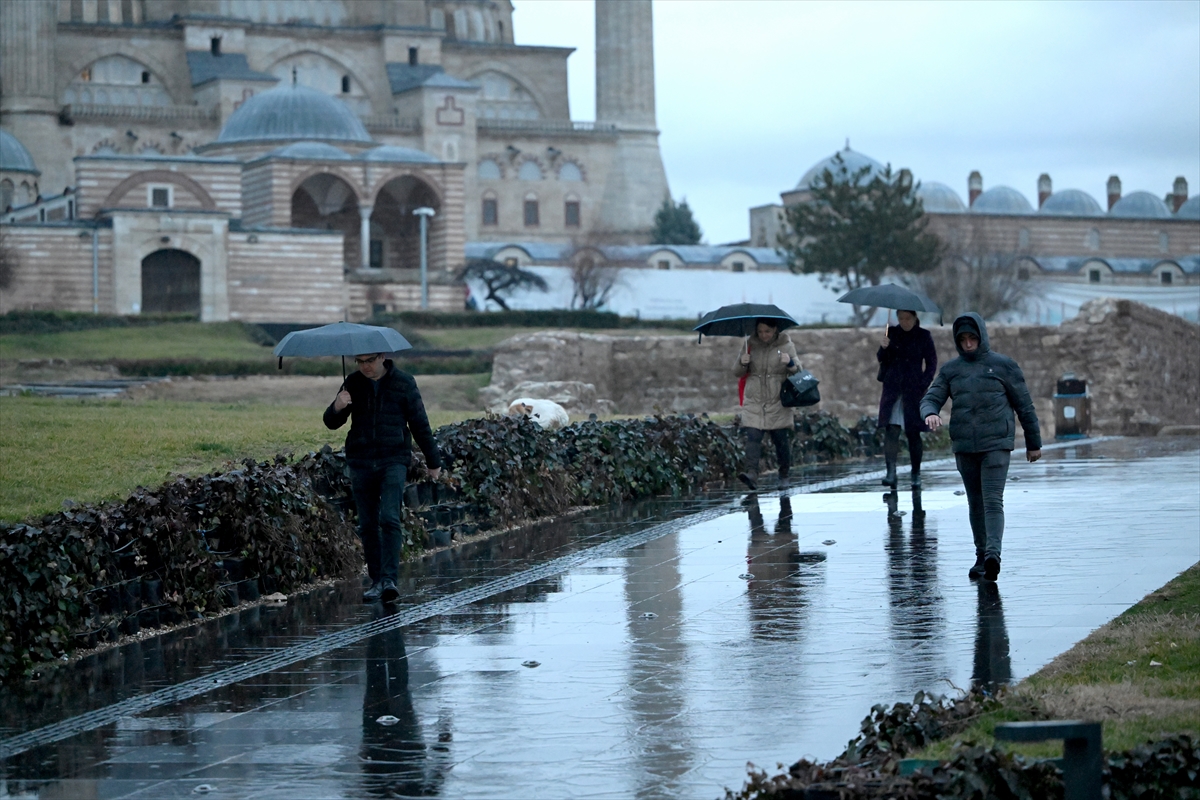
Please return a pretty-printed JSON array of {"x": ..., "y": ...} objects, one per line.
[{"x": 278, "y": 160}]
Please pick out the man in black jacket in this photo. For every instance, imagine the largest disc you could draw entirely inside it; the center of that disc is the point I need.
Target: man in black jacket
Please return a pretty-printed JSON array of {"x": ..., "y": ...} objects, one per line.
[
  {"x": 386, "y": 414},
  {"x": 986, "y": 387}
]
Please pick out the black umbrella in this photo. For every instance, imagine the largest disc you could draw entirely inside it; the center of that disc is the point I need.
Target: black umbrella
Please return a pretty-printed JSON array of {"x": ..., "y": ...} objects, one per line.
[
  {"x": 889, "y": 295},
  {"x": 341, "y": 339},
  {"x": 739, "y": 319}
]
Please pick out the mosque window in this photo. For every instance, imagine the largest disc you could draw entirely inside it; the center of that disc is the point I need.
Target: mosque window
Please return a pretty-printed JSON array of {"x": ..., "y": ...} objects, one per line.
[
  {"x": 1093, "y": 276},
  {"x": 531, "y": 212},
  {"x": 86, "y": 75},
  {"x": 145, "y": 76},
  {"x": 6, "y": 194},
  {"x": 1164, "y": 242},
  {"x": 159, "y": 196},
  {"x": 1166, "y": 277},
  {"x": 1023, "y": 237},
  {"x": 489, "y": 170},
  {"x": 214, "y": 45},
  {"x": 500, "y": 25},
  {"x": 664, "y": 264},
  {"x": 116, "y": 80},
  {"x": 530, "y": 171},
  {"x": 1023, "y": 273},
  {"x": 102, "y": 12},
  {"x": 491, "y": 211},
  {"x": 570, "y": 172},
  {"x": 739, "y": 266},
  {"x": 437, "y": 18},
  {"x": 412, "y": 56},
  {"x": 571, "y": 213},
  {"x": 502, "y": 97},
  {"x": 375, "y": 254},
  {"x": 345, "y": 84},
  {"x": 127, "y": 11},
  {"x": 1092, "y": 240},
  {"x": 76, "y": 10}
]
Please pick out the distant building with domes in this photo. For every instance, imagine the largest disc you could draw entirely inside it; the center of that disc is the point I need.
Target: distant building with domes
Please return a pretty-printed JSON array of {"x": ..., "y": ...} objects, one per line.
[{"x": 262, "y": 159}]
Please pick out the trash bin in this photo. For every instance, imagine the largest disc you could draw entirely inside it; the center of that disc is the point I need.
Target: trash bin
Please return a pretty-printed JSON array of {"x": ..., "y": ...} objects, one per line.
[{"x": 1072, "y": 408}]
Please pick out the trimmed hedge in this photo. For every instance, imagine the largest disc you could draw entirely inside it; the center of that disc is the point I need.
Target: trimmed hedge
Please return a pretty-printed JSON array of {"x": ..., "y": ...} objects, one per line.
[
  {"x": 546, "y": 318},
  {"x": 414, "y": 362}
]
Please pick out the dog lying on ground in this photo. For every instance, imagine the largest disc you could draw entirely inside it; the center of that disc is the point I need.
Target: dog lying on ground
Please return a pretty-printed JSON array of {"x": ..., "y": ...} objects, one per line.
[{"x": 547, "y": 413}]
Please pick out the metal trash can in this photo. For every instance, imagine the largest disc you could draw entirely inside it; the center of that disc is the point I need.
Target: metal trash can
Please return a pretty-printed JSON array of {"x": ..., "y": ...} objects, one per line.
[{"x": 1072, "y": 408}]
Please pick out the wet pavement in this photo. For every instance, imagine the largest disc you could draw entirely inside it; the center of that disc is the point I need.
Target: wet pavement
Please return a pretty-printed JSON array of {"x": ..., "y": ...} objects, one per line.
[{"x": 641, "y": 651}]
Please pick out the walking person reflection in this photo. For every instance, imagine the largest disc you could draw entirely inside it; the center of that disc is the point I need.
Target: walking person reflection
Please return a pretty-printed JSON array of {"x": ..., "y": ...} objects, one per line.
[
  {"x": 915, "y": 602},
  {"x": 993, "y": 666},
  {"x": 777, "y": 589},
  {"x": 396, "y": 762},
  {"x": 907, "y": 364}
]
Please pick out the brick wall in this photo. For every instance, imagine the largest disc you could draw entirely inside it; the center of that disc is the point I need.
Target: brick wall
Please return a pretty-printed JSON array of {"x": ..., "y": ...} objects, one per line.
[
  {"x": 54, "y": 268},
  {"x": 285, "y": 277}
]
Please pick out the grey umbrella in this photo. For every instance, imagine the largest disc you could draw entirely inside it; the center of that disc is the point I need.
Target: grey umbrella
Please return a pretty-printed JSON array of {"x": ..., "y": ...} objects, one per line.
[
  {"x": 739, "y": 319},
  {"x": 889, "y": 295},
  {"x": 340, "y": 339}
]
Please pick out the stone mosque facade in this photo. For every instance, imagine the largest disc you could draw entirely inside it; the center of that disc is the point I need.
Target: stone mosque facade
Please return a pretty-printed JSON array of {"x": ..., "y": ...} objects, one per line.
[{"x": 262, "y": 160}]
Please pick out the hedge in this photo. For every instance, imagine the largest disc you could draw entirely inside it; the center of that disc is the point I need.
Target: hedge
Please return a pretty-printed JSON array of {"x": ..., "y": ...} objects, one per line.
[
  {"x": 33, "y": 322},
  {"x": 546, "y": 318},
  {"x": 414, "y": 362}
]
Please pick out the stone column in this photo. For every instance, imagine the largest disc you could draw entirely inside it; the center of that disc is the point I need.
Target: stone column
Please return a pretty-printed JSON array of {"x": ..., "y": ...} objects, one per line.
[{"x": 364, "y": 245}]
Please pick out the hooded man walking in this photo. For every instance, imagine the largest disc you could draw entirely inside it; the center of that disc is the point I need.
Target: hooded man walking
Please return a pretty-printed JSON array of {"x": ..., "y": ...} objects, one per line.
[
  {"x": 386, "y": 414},
  {"x": 986, "y": 388}
]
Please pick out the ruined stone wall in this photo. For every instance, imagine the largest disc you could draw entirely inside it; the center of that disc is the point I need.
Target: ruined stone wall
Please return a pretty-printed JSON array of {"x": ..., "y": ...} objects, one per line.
[{"x": 1140, "y": 364}]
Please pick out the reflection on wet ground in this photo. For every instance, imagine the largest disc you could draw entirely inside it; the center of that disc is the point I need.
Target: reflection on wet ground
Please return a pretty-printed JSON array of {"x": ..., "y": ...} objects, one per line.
[{"x": 655, "y": 663}]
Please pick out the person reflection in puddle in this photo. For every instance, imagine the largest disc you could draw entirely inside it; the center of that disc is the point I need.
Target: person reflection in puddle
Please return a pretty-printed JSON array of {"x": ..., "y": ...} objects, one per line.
[
  {"x": 777, "y": 585},
  {"x": 396, "y": 762},
  {"x": 916, "y": 614},
  {"x": 993, "y": 667}
]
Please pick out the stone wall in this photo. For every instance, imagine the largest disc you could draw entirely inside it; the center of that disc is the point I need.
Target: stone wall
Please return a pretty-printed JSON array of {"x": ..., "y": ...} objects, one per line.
[{"x": 1141, "y": 365}]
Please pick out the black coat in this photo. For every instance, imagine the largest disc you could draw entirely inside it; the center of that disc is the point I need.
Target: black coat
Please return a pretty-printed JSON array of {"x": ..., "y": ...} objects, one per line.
[
  {"x": 986, "y": 388},
  {"x": 906, "y": 368},
  {"x": 383, "y": 424}
]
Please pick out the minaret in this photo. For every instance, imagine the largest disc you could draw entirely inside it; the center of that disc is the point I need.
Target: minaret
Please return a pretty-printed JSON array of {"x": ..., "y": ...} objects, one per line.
[
  {"x": 637, "y": 182},
  {"x": 28, "y": 96}
]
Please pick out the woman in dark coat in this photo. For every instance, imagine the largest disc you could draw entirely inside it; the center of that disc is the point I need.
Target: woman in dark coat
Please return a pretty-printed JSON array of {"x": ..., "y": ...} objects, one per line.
[{"x": 907, "y": 364}]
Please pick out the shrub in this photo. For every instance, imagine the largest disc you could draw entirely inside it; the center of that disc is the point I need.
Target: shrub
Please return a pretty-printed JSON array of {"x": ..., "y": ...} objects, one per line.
[{"x": 61, "y": 321}]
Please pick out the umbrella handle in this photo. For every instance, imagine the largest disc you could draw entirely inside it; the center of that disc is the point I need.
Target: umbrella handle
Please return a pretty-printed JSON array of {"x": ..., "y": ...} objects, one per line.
[{"x": 281, "y": 362}]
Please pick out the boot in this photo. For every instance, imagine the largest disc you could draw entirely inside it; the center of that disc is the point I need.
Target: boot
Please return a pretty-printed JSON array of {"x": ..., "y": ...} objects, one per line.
[
  {"x": 976, "y": 572},
  {"x": 745, "y": 478},
  {"x": 916, "y": 478},
  {"x": 783, "y": 474},
  {"x": 890, "y": 478},
  {"x": 991, "y": 566}
]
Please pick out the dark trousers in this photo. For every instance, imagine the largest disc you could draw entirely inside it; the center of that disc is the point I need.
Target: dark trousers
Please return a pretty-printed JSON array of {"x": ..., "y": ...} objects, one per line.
[
  {"x": 378, "y": 494},
  {"x": 891, "y": 446},
  {"x": 983, "y": 477},
  {"x": 754, "y": 440}
]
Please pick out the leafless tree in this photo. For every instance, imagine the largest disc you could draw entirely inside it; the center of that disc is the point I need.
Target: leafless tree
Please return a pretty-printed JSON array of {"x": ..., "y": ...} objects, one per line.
[
  {"x": 593, "y": 281},
  {"x": 8, "y": 261},
  {"x": 977, "y": 274}
]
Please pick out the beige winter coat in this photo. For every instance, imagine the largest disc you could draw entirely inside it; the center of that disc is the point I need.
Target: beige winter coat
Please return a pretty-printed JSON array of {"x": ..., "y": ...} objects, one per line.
[{"x": 762, "y": 408}]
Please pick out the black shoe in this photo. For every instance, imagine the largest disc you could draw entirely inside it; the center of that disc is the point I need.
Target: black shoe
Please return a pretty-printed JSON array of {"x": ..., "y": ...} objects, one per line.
[
  {"x": 746, "y": 479},
  {"x": 916, "y": 479},
  {"x": 976, "y": 572},
  {"x": 991, "y": 567},
  {"x": 783, "y": 472},
  {"x": 890, "y": 478},
  {"x": 390, "y": 592},
  {"x": 371, "y": 595}
]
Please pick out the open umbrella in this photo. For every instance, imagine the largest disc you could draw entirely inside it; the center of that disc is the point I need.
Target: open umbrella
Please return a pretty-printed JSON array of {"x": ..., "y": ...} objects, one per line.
[
  {"x": 890, "y": 295},
  {"x": 340, "y": 339},
  {"x": 739, "y": 319}
]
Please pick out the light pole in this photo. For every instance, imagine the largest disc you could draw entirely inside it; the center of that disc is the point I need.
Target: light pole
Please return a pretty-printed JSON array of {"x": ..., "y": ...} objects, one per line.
[{"x": 424, "y": 212}]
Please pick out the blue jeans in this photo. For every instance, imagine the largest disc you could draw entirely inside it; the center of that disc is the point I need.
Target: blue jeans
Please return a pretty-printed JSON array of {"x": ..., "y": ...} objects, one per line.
[
  {"x": 378, "y": 494},
  {"x": 983, "y": 477}
]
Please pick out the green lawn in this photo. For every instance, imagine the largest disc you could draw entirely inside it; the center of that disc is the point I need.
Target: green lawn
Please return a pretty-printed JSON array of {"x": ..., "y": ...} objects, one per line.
[
  {"x": 182, "y": 340},
  {"x": 54, "y": 449}
]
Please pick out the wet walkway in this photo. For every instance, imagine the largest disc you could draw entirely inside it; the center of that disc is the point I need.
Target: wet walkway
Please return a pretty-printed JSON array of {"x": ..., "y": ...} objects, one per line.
[{"x": 646, "y": 651}]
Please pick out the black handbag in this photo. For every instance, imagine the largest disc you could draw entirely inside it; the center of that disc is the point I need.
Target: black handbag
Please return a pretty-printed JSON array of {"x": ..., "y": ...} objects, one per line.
[{"x": 800, "y": 390}]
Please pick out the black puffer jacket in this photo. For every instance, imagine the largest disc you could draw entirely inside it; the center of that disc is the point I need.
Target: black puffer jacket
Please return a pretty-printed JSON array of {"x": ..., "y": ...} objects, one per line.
[
  {"x": 384, "y": 423},
  {"x": 986, "y": 387}
]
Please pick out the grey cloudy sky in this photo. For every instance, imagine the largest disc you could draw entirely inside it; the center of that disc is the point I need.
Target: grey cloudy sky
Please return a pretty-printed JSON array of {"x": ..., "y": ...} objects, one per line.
[{"x": 750, "y": 94}]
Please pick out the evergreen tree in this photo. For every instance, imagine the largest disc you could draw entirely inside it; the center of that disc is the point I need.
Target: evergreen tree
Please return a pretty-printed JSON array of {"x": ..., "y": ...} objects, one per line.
[
  {"x": 852, "y": 230},
  {"x": 674, "y": 224}
]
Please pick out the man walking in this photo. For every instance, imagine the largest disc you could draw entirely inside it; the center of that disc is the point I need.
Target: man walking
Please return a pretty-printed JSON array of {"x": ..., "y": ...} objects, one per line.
[
  {"x": 986, "y": 387},
  {"x": 386, "y": 414}
]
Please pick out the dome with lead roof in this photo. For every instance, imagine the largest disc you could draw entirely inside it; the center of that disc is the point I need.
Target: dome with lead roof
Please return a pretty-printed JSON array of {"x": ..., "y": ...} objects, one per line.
[
  {"x": 1190, "y": 209},
  {"x": 293, "y": 112},
  {"x": 1071, "y": 203},
  {"x": 853, "y": 161},
  {"x": 940, "y": 198},
  {"x": 14, "y": 157},
  {"x": 1001, "y": 200},
  {"x": 1140, "y": 205}
]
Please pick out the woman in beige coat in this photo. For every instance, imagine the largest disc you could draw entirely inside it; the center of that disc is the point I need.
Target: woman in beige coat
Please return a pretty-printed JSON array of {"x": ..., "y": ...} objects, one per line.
[{"x": 767, "y": 359}]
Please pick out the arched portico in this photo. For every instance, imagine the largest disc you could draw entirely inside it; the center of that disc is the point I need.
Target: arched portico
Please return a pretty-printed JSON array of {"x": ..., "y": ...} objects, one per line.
[
  {"x": 395, "y": 230},
  {"x": 326, "y": 201}
]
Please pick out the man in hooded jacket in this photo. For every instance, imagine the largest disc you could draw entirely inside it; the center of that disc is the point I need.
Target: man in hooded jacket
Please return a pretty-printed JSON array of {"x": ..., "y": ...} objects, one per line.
[{"x": 986, "y": 388}]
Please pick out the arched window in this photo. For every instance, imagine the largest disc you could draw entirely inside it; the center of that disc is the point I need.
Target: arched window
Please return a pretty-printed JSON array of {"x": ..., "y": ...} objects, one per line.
[
  {"x": 531, "y": 211},
  {"x": 570, "y": 172},
  {"x": 1023, "y": 238},
  {"x": 530, "y": 171},
  {"x": 437, "y": 19},
  {"x": 571, "y": 211},
  {"x": 6, "y": 194},
  {"x": 345, "y": 84},
  {"x": 502, "y": 97},
  {"x": 489, "y": 170},
  {"x": 1092, "y": 239},
  {"x": 491, "y": 209},
  {"x": 1164, "y": 242},
  {"x": 117, "y": 80},
  {"x": 460, "y": 24}
]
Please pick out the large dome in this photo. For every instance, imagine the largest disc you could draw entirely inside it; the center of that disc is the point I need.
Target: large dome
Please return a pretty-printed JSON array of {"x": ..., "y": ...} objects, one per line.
[
  {"x": 1071, "y": 203},
  {"x": 853, "y": 162},
  {"x": 1140, "y": 205},
  {"x": 1190, "y": 209},
  {"x": 14, "y": 157},
  {"x": 293, "y": 112},
  {"x": 940, "y": 198},
  {"x": 1001, "y": 200}
]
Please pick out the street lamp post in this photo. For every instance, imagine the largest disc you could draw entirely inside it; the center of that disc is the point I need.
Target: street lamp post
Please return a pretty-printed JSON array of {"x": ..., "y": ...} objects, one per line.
[{"x": 424, "y": 212}]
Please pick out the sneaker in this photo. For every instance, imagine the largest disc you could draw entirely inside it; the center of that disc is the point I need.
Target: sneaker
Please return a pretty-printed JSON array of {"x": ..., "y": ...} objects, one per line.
[
  {"x": 976, "y": 572},
  {"x": 390, "y": 592},
  {"x": 746, "y": 479},
  {"x": 991, "y": 567},
  {"x": 371, "y": 595}
]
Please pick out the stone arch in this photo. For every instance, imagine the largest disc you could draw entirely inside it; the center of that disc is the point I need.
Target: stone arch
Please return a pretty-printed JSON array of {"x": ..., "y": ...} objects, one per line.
[
  {"x": 170, "y": 282},
  {"x": 328, "y": 169},
  {"x": 175, "y": 85},
  {"x": 565, "y": 174},
  {"x": 490, "y": 167},
  {"x": 374, "y": 82},
  {"x": 159, "y": 176},
  {"x": 517, "y": 76},
  {"x": 325, "y": 199},
  {"x": 392, "y": 218},
  {"x": 527, "y": 165},
  {"x": 331, "y": 81},
  {"x": 417, "y": 174}
]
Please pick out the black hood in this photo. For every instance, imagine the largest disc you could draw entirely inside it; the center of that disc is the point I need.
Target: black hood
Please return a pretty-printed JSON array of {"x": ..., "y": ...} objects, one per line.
[{"x": 971, "y": 321}]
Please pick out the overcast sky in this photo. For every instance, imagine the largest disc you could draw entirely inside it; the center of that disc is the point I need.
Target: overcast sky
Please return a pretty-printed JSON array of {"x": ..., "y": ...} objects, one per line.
[{"x": 750, "y": 94}]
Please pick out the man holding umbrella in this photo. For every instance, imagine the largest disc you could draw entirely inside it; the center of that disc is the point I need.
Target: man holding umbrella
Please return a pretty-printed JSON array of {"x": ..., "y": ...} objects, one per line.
[{"x": 386, "y": 413}]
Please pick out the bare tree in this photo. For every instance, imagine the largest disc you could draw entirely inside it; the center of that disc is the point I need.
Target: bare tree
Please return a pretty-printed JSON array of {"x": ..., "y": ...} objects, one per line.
[
  {"x": 8, "y": 261},
  {"x": 976, "y": 274},
  {"x": 500, "y": 279},
  {"x": 593, "y": 280}
]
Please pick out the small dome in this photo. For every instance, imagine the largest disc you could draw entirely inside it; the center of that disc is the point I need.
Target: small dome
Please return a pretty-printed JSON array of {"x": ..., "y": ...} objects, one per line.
[
  {"x": 1071, "y": 203},
  {"x": 1141, "y": 205},
  {"x": 313, "y": 150},
  {"x": 404, "y": 155},
  {"x": 1190, "y": 209},
  {"x": 853, "y": 162},
  {"x": 14, "y": 157},
  {"x": 1002, "y": 200},
  {"x": 293, "y": 112},
  {"x": 940, "y": 198}
]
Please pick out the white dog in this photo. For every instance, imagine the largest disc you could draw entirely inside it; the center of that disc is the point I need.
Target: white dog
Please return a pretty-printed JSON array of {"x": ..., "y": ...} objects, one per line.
[{"x": 547, "y": 413}]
